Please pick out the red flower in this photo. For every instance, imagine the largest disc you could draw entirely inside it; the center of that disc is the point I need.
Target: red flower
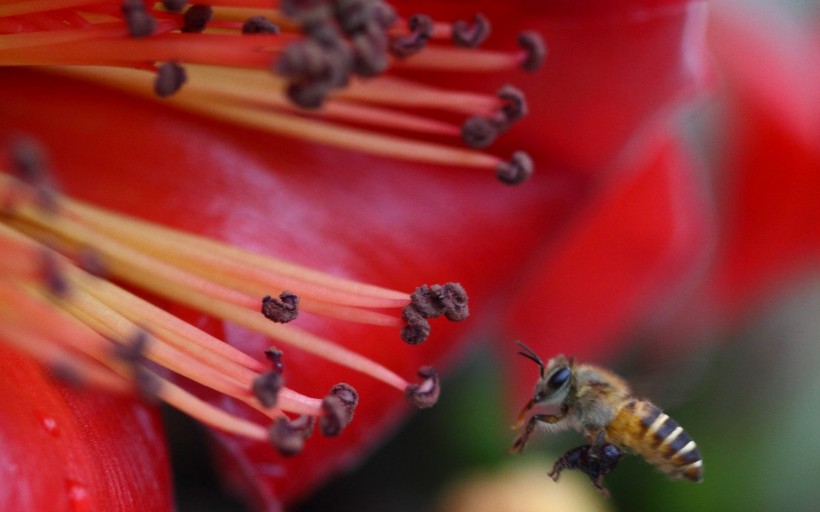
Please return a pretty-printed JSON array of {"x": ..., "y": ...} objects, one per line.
[{"x": 613, "y": 232}]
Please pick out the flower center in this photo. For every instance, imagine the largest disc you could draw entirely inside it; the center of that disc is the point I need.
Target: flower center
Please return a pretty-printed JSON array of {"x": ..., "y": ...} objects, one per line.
[
  {"x": 60, "y": 304},
  {"x": 346, "y": 73}
]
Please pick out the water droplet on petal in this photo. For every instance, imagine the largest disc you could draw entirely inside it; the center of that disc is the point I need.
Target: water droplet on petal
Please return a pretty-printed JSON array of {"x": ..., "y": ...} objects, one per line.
[
  {"x": 51, "y": 426},
  {"x": 49, "y": 423},
  {"x": 78, "y": 497}
]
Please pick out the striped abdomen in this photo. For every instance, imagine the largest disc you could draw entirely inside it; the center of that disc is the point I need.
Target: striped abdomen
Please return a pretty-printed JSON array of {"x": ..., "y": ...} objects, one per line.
[{"x": 642, "y": 427}]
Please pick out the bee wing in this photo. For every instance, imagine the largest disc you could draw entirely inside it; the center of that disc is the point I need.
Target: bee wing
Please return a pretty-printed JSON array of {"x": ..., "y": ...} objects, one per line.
[{"x": 667, "y": 379}]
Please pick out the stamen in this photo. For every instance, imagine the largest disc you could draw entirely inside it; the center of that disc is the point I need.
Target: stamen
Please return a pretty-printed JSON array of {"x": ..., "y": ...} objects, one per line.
[
  {"x": 517, "y": 170},
  {"x": 288, "y": 437},
  {"x": 281, "y": 310},
  {"x": 478, "y": 132},
  {"x": 202, "y": 274},
  {"x": 259, "y": 25},
  {"x": 174, "y": 5},
  {"x": 56, "y": 282},
  {"x": 424, "y": 394},
  {"x": 140, "y": 22},
  {"x": 196, "y": 18},
  {"x": 449, "y": 299},
  {"x": 515, "y": 104},
  {"x": 536, "y": 50},
  {"x": 322, "y": 47},
  {"x": 417, "y": 328},
  {"x": 29, "y": 161},
  {"x": 266, "y": 387},
  {"x": 471, "y": 36},
  {"x": 275, "y": 357},
  {"x": 338, "y": 406},
  {"x": 170, "y": 77},
  {"x": 421, "y": 28},
  {"x": 349, "y": 398},
  {"x": 133, "y": 354}
]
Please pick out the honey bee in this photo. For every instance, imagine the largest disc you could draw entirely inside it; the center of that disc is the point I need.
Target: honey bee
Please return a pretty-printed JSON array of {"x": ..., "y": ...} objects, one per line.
[{"x": 599, "y": 404}]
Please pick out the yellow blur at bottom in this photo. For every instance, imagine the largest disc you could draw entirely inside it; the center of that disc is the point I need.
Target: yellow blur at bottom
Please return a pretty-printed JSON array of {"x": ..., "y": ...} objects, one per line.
[{"x": 522, "y": 486}]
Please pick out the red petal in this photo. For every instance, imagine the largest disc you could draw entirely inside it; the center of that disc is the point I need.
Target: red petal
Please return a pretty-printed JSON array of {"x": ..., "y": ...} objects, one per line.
[
  {"x": 379, "y": 221},
  {"x": 620, "y": 261},
  {"x": 612, "y": 66},
  {"x": 771, "y": 174},
  {"x": 66, "y": 450}
]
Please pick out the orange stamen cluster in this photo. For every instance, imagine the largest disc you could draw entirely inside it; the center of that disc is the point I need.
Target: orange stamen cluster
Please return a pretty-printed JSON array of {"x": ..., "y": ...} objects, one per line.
[
  {"x": 61, "y": 304},
  {"x": 318, "y": 70}
]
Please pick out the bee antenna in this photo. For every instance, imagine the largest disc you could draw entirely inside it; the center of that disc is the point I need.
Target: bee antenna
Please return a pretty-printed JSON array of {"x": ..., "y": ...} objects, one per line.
[{"x": 531, "y": 355}]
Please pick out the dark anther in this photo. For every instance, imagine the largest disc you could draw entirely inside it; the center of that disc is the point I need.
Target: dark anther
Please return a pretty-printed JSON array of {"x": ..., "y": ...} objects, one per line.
[
  {"x": 355, "y": 16},
  {"x": 424, "y": 394},
  {"x": 132, "y": 353},
  {"x": 196, "y": 18},
  {"x": 421, "y": 27},
  {"x": 349, "y": 398},
  {"x": 294, "y": 8},
  {"x": 29, "y": 160},
  {"x": 449, "y": 299},
  {"x": 281, "y": 310},
  {"x": 307, "y": 13},
  {"x": 67, "y": 374},
  {"x": 338, "y": 56},
  {"x": 147, "y": 384},
  {"x": 383, "y": 14},
  {"x": 53, "y": 276},
  {"x": 302, "y": 61},
  {"x": 455, "y": 302},
  {"x": 417, "y": 328},
  {"x": 288, "y": 436},
  {"x": 92, "y": 262},
  {"x": 139, "y": 21},
  {"x": 426, "y": 302},
  {"x": 471, "y": 36},
  {"x": 338, "y": 408},
  {"x": 596, "y": 460},
  {"x": 315, "y": 66},
  {"x": 478, "y": 132},
  {"x": 352, "y": 15},
  {"x": 170, "y": 77},
  {"x": 515, "y": 104},
  {"x": 275, "y": 357},
  {"x": 266, "y": 387},
  {"x": 536, "y": 50},
  {"x": 309, "y": 96},
  {"x": 517, "y": 170},
  {"x": 332, "y": 422},
  {"x": 370, "y": 52},
  {"x": 174, "y": 5},
  {"x": 259, "y": 25}
]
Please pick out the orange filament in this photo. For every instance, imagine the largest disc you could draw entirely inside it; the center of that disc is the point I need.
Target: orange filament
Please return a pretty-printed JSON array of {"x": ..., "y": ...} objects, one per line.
[
  {"x": 75, "y": 321},
  {"x": 229, "y": 76}
]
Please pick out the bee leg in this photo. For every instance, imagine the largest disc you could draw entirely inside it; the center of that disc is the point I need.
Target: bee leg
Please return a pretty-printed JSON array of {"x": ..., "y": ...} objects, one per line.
[
  {"x": 535, "y": 419},
  {"x": 596, "y": 461},
  {"x": 599, "y": 484},
  {"x": 572, "y": 459}
]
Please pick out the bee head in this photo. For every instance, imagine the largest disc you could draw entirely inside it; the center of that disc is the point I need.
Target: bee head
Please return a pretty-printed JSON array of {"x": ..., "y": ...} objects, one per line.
[{"x": 555, "y": 377}]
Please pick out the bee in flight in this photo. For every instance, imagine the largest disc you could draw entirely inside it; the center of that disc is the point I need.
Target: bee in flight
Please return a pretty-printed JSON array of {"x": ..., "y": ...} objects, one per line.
[{"x": 599, "y": 404}]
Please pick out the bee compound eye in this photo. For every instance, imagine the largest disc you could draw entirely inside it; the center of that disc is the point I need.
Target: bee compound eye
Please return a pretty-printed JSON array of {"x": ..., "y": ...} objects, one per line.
[{"x": 558, "y": 378}]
